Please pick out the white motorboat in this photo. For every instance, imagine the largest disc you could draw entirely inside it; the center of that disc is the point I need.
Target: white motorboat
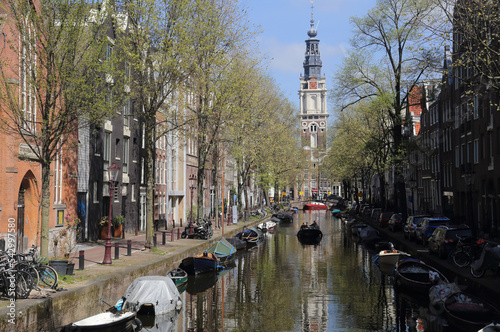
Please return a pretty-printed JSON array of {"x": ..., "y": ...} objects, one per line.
[
  {"x": 390, "y": 257},
  {"x": 104, "y": 322}
]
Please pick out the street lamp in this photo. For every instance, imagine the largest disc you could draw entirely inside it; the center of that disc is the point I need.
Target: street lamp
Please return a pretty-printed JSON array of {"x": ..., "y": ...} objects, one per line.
[
  {"x": 469, "y": 181},
  {"x": 112, "y": 176},
  {"x": 192, "y": 180}
]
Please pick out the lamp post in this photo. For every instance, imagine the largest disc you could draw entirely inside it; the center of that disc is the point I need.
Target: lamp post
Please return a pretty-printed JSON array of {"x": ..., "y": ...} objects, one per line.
[
  {"x": 192, "y": 180},
  {"x": 469, "y": 181},
  {"x": 112, "y": 175}
]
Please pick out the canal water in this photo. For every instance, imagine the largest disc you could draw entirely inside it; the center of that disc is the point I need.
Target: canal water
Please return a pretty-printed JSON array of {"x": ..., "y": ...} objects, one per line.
[{"x": 281, "y": 285}]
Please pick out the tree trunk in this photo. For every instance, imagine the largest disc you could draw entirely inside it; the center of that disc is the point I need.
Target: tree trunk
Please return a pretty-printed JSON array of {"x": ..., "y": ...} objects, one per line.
[
  {"x": 150, "y": 183},
  {"x": 45, "y": 203}
]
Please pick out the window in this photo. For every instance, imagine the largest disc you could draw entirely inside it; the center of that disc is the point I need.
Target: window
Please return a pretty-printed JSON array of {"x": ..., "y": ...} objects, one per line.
[
  {"x": 476, "y": 106},
  {"x": 457, "y": 156},
  {"x": 26, "y": 89},
  {"x": 476, "y": 151},
  {"x": 60, "y": 217},
  {"x": 95, "y": 198},
  {"x": 314, "y": 128},
  {"x": 127, "y": 112},
  {"x": 132, "y": 192},
  {"x": 58, "y": 175},
  {"x": 125, "y": 155},
  {"x": 106, "y": 149}
]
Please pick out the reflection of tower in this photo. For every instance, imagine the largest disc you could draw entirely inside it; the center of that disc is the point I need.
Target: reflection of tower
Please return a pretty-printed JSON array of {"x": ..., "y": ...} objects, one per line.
[{"x": 313, "y": 114}]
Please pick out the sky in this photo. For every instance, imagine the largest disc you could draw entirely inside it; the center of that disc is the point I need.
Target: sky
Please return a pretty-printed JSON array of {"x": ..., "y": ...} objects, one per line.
[{"x": 284, "y": 25}]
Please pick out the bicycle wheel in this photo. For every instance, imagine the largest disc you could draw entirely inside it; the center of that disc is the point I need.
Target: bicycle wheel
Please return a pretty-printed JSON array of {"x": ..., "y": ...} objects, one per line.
[
  {"x": 461, "y": 258},
  {"x": 48, "y": 277},
  {"x": 31, "y": 270},
  {"x": 23, "y": 284}
]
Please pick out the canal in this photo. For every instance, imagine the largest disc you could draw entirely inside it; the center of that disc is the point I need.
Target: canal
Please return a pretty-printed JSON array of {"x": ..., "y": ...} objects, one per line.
[{"x": 281, "y": 285}]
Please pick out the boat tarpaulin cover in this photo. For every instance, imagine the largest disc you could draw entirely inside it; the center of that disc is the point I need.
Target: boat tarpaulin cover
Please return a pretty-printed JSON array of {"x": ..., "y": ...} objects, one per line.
[
  {"x": 156, "y": 290},
  {"x": 222, "y": 248}
]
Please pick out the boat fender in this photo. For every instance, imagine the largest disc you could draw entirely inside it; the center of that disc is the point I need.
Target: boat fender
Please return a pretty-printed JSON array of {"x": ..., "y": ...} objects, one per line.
[{"x": 139, "y": 324}]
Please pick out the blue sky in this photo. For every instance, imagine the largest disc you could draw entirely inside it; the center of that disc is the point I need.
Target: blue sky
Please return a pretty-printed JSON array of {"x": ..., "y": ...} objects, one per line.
[{"x": 285, "y": 24}]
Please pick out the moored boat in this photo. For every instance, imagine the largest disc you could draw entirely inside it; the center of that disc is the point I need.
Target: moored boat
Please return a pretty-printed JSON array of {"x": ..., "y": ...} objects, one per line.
[
  {"x": 416, "y": 276},
  {"x": 178, "y": 276},
  {"x": 201, "y": 263},
  {"x": 309, "y": 234},
  {"x": 283, "y": 216},
  {"x": 223, "y": 250},
  {"x": 266, "y": 226},
  {"x": 467, "y": 312},
  {"x": 237, "y": 243},
  {"x": 315, "y": 206},
  {"x": 251, "y": 235},
  {"x": 152, "y": 295},
  {"x": 390, "y": 257},
  {"x": 104, "y": 322}
]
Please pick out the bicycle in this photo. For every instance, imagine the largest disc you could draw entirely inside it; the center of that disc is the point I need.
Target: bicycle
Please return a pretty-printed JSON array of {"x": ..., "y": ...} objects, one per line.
[
  {"x": 466, "y": 252},
  {"x": 15, "y": 283},
  {"x": 44, "y": 276}
]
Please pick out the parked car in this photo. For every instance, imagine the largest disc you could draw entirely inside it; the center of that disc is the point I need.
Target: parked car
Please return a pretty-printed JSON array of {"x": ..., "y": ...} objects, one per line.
[
  {"x": 375, "y": 214},
  {"x": 395, "y": 222},
  {"x": 427, "y": 226},
  {"x": 444, "y": 238},
  {"x": 384, "y": 218},
  {"x": 411, "y": 224}
]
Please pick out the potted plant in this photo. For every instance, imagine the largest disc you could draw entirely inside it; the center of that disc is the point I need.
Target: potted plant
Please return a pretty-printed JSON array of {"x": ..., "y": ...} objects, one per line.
[
  {"x": 117, "y": 223},
  {"x": 64, "y": 242},
  {"x": 104, "y": 228}
]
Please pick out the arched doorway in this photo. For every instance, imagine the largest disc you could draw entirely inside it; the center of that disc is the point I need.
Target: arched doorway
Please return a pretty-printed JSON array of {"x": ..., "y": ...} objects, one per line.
[{"x": 27, "y": 213}]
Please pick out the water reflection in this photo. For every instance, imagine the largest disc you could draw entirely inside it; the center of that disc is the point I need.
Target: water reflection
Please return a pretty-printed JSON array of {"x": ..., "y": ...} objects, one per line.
[{"x": 282, "y": 285}]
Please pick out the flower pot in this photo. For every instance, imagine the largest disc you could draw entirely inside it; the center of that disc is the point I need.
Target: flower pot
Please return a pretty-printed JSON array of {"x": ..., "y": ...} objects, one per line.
[
  {"x": 60, "y": 266},
  {"x": 104, "y": 232},
  {"x": 70, "y": 268},
  {"x": 118, "y": 230}
]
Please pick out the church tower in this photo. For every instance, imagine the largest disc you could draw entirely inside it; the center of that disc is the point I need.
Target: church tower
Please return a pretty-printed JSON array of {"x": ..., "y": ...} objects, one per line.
[{"x": 313, "y": 116}]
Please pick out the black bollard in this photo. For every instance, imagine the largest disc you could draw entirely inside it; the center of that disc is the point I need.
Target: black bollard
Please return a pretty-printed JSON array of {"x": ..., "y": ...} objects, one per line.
[
  {"x": 154, "y": 240},
  {"x": 163, "y": 236},
  {"x": 81, "y": 260},
  {"x": 117, "y": 251},
  {"x": 129, "y": 247}
]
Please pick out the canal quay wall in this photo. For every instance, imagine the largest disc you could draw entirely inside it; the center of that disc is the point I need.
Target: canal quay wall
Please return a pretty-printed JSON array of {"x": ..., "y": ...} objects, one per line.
[
  {"x": 487, "y": 287},
  {"x": 61, "y": 308}
]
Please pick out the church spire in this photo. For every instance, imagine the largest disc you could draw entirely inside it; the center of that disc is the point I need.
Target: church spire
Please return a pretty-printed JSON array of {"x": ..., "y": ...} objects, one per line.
[{"x": 312, "y": 62}]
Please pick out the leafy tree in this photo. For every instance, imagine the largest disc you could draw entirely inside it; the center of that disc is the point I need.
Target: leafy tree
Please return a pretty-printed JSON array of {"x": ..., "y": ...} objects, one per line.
[
  {"x": 152, "y": 47},
  {"x": 54, "y": 85},
  {"x": 389, "y": 56}
]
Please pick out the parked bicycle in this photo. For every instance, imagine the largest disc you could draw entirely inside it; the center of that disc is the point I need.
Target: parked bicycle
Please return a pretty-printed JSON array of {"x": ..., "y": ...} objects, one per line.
[
  {"x": 466, "y": 251},
  {"x": 43, "y": 275},
  {"x": 14, "y": 283}
]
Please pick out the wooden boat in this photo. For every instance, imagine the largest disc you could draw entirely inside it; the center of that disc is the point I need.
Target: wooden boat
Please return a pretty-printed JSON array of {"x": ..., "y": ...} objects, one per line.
[
  {"x": 237, "y": 243},
  {"x": 309, "y": 234},
  {"x": 251, "y": 235},
  {"x": 223, "y": 250},
  {"x": 178, "y": 276},
  {"x": 104, "y": 322},
  {"x": 283, "y": 216},
  {"x": 369, "y": 235},
  {"x": 315, "y": 206},
  {"x": 201, "y": 263},
  {"x": 416, "y": 276},
  {"x": 467, "y": 312},
  {"x": 266, "y": 226},
  {"x": 336, "y": 213},
  {"x": 390, "y": 256}
]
